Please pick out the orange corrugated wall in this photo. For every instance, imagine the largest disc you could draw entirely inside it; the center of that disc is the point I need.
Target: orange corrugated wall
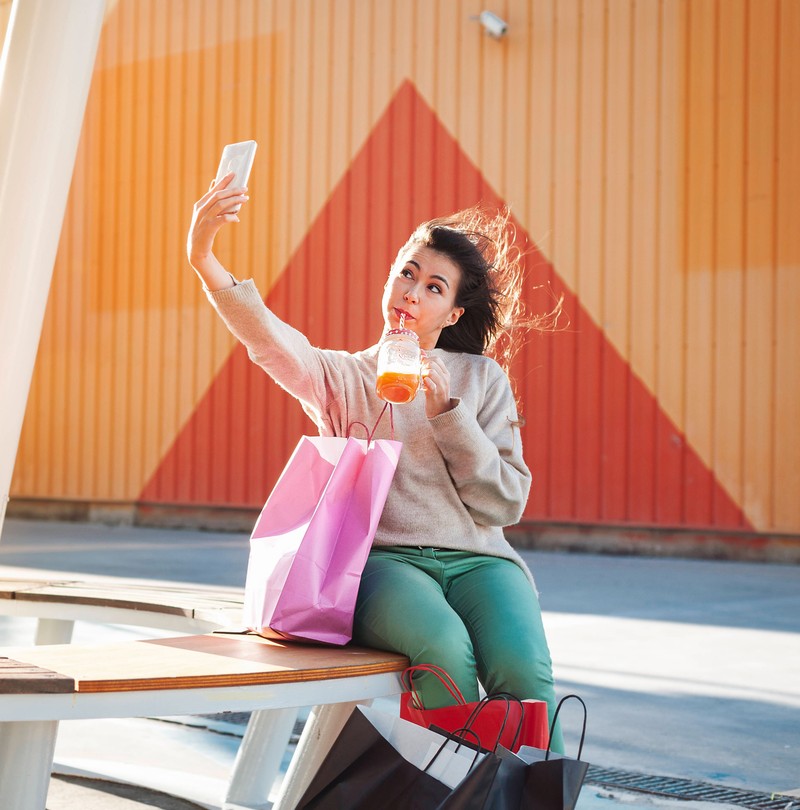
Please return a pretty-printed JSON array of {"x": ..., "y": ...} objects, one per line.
[{"x": 650, "y": 152}]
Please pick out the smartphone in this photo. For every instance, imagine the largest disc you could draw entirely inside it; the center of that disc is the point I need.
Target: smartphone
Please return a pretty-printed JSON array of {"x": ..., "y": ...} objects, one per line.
[{"x": 237, "y": 158}]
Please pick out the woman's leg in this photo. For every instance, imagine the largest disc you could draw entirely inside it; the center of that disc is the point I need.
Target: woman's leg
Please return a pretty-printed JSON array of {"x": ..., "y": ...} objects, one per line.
[
  {"x": 401, "y": 607},
  {"x": 500, "y": 609}
]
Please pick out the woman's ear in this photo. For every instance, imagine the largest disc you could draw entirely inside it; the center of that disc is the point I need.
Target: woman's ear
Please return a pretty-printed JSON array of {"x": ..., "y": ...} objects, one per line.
[{"x": 454, "y": 315}]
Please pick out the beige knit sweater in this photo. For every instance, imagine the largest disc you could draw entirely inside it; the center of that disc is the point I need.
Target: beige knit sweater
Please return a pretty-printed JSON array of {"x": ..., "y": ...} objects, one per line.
[{"x": 461, "y": 475}]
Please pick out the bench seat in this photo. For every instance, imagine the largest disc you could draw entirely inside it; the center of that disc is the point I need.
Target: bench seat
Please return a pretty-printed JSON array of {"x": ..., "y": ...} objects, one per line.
[
  {"x": 227, "y": 669},
  {"x": 190, "y": 662},
  {"x": 189, "y": 608}
]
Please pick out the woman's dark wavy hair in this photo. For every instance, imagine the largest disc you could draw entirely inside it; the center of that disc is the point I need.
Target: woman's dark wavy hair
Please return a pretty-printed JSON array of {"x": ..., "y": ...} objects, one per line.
[{"x": 483, "y": 245}]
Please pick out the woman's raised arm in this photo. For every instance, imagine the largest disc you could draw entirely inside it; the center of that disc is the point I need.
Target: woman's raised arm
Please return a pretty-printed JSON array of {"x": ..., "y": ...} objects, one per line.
[{"x": 213, "y": 210}]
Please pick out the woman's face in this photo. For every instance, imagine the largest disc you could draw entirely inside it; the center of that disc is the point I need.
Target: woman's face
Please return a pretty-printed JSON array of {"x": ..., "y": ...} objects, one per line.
[{"x": 422, "y": 286}]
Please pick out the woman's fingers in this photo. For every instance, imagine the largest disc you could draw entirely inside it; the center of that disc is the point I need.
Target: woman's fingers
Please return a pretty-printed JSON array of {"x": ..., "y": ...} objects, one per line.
[
  {"x": 218, "y": 206},
  {"x": 224, "y": 181},
  {"x": 436, "y": 380},
  {"x": 220, "y": 202},
  {"x": 226, "y": 205},
  {"x": 433, "y": 368},
  {"x": 220, "y": 190}
]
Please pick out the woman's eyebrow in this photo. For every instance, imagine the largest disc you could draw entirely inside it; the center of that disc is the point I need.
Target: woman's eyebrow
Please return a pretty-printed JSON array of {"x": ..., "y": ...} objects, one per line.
[{"x": 436, "y": 276}]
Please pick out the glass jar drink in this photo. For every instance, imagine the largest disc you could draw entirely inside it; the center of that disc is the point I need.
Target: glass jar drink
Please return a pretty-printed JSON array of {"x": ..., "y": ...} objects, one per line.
[{"x": 399, "y": 366}]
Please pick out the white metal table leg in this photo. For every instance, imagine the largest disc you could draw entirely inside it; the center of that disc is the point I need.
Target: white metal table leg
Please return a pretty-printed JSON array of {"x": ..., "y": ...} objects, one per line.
[
  {"x": 258, "y": 760},
  {"x": 321, "y": 730},
  {"x": 54, "y": 631},
  {"x": 26, "y": 760}
]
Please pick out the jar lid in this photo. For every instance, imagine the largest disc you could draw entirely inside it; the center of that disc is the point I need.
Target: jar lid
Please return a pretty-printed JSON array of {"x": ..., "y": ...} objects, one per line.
[{"x": 406, "y": 332}]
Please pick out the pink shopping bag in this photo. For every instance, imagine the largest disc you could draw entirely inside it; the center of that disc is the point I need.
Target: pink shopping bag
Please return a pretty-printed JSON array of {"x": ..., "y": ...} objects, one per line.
[{"x": 311, "y": 541}]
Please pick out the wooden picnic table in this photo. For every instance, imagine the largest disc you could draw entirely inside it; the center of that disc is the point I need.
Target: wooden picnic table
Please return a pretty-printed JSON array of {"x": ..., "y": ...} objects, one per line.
[{"x": 226, "y": 669}]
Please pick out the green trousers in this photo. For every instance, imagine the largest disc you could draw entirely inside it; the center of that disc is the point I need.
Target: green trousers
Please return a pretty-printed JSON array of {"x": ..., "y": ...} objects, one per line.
[{"x": 477, "y": 617}]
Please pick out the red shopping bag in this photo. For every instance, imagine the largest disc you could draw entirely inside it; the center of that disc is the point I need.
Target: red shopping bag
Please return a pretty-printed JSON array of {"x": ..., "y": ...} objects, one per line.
[
  {"x": 510, "y": 723},
  {"x": 310, "y": 543}
]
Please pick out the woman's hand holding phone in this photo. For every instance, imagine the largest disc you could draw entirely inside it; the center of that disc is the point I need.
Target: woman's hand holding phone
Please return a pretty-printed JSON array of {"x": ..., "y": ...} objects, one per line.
[
  {"x": 213, "y": 210},
  {"x": 218, "y": 206}
]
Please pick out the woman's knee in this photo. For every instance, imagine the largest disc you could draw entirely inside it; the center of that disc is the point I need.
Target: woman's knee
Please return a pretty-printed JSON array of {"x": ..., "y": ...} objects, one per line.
[
  {"x": 453, "y": 652},
  {"x": 402, "y": 609},
  {"x": 527, "y": 677},
  {"x": 444, "y": 643}
]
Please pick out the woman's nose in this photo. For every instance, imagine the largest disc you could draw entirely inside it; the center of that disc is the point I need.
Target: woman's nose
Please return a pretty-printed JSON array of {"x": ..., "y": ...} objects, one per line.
[{"x": 411, "y": 295}]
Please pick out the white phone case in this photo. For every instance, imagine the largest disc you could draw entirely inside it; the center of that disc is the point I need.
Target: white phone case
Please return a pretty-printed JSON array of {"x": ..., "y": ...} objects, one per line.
[{"x": 237, "y": 158}]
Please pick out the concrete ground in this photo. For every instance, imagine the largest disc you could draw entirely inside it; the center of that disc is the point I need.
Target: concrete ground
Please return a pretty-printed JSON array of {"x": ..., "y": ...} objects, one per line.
[{"x": 690, "y": 670}]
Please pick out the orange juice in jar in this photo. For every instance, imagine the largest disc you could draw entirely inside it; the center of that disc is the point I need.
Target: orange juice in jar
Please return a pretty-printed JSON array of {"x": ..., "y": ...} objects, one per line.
[{"x": 399, "y": 366}]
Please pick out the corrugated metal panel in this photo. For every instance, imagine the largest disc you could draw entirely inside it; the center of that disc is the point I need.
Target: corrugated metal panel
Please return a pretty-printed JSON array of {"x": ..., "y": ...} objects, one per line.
[
  {"x": 759, "y": 261},
  {"x": 786, "y": 335},
  {"x": 649, "y": 152}
]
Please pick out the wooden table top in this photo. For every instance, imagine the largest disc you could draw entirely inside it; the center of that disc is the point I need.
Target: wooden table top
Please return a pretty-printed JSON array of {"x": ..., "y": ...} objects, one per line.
[
  {"x": 167, "y": 598},
  {"x": 185, "y": 662}
]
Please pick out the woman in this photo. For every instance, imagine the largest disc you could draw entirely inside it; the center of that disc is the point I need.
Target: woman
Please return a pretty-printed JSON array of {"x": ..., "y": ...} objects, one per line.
[{"x": 442, "y": 584}]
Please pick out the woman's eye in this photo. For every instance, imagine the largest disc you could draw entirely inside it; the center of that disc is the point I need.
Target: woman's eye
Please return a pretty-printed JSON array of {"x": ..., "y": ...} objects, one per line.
[
  {"x": 405, "y": 272},
  {"x": 435, "y": 288}
]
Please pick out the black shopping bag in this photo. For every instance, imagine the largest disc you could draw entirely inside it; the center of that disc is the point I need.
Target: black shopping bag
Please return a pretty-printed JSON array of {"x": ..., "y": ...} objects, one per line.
[
  {"x": 497, "y": 782},
  {"x": 553, "y": 781},
  {"x": 379, "y": 760}
]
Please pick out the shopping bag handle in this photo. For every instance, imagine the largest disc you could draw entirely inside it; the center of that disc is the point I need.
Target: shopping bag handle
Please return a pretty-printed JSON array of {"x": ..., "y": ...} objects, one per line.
[
  {"x": 555, "y": 717},
  {"x": 457, "y": 736},
  {"x": 371, "y": 433},
  {"x": 509, "y": 699},
  {"x": 407, "y": 680}
]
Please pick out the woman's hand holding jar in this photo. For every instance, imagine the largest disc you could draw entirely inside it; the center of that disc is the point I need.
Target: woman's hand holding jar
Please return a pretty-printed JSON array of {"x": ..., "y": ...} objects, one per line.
[{"x": 436, "y": 382}]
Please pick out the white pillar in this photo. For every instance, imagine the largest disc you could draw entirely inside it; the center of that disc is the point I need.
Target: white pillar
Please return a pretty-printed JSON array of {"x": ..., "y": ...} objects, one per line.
[
  {"x": 45, "y": 72},
  {"x": 258, "y": 761},
  {"x": 26, "y": 760},
  {"x": 54, "y": 631},
  {"x": 323, "y": 726}
]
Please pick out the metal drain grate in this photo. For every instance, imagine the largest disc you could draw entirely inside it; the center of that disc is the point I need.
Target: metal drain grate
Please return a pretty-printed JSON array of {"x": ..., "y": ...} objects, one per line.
[{"x": 689, "y": 789}]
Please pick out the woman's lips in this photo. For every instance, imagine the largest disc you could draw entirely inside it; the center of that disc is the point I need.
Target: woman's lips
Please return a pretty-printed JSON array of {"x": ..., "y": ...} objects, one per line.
[{"x": 400, "y": 312}]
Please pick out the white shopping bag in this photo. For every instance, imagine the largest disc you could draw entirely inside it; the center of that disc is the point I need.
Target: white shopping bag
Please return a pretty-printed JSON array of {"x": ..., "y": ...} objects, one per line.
[{"x": 445, "y": 760}]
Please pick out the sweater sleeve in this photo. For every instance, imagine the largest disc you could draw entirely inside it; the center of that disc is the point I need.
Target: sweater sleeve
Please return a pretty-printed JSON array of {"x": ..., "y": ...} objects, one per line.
[
  {"x": 279, "y": 349},
  {"x": 483, "y": 454}
]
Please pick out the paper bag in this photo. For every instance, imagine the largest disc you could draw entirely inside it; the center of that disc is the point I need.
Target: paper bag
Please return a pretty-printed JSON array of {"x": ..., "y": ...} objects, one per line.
[{"x": 311, "y": 541}]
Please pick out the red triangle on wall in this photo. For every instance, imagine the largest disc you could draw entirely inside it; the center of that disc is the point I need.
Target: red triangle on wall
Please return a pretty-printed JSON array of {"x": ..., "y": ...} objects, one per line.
[{"x": 600, "y": 448}]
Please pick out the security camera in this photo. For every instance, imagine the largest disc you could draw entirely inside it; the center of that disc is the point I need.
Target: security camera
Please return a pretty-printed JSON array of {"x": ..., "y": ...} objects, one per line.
[{"x": 494, "y": 26}]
